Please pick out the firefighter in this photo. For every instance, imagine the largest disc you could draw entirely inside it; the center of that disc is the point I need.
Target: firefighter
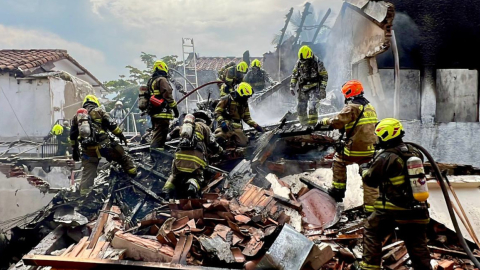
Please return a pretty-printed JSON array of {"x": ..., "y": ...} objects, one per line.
[
  {"x": 257, "y": 77},
  {"x": 396, "y": 205},
  {"x": 311, "y": 76},
  {"x": 118, "y": 113},
  {"x": 91, "y": 134},
  {"x": 61, "y": 132},
  {"x": 231, "y": 77},
  {"x": 357, "y": 121},
  {"x": 162, "y": 104},
  {"x": 191, "y": 158},
  {"x": 230, "y": 112}
]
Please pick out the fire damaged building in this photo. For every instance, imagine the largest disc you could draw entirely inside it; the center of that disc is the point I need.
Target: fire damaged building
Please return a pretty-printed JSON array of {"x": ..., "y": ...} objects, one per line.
[{"x": 266, "y": 205}]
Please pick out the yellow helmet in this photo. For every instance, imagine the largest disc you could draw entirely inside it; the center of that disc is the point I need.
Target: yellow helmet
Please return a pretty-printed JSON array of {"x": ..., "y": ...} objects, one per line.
[
  {"x": 57, "y": 129},
  {"x": 91, "y": 98},
  {"x": 305, "y": 52},
  {"x": 160, "y": 65},
  {"x": 256, "y": 63},
  {"x": 242, "y": 67},
  {"x": 244, "y": 89},
  {"x": 388, "y": 129}
]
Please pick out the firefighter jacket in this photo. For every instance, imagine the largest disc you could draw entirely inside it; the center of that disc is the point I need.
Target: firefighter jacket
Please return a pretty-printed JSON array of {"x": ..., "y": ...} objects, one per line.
[
  {"x": 193, "y": 158},
  {"x": 231, "y": 77},
  {"x": 308, "y": 74},
  {"x": 257, "y": 78},
  {"x": 101, "y": 123},
  {"x": 388, "y": 172},
  {"x": 161, "y": 89},
  {"x": 61, "y": 138},
  {"x": 360, "y": 141},
  {"x": 220, "y": 71},
  {"x": 233, "y": 112}
]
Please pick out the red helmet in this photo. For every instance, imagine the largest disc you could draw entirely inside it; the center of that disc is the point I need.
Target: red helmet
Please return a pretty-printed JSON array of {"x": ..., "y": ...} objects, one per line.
[{"x": 352, "y": 88}]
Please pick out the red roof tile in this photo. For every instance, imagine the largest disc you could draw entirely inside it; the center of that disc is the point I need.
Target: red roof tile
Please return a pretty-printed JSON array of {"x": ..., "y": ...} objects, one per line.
[{"x": 13, "y": 60}]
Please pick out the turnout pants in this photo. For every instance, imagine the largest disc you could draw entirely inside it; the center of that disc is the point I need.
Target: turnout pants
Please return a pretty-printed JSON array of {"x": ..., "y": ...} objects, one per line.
[
  {"x": 178, "y": 179},
  {"x": 91, "y": 157},
  {"x": 160, "y": 132},
  {"x": 339, "y": 169},
  {"x": 412, "y": 225},
  {"x": 235, "y": 136},
  {"x": 308, "y": 105},
  {"x": 62, "y": 149}
]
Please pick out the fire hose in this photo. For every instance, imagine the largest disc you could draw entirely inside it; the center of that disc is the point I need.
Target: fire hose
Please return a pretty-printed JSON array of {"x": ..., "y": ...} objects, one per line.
[
  {"x": 196, "y": 89},
  {"x": 441, "y": 181}
]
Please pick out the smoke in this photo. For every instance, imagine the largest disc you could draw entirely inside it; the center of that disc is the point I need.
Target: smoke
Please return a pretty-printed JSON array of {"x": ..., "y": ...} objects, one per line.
[{"x": 407, "y": 35}]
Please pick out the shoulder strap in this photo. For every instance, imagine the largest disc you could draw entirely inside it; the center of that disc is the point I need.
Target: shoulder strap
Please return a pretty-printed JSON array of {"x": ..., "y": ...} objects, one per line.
[{"x": 349, "y": 134}]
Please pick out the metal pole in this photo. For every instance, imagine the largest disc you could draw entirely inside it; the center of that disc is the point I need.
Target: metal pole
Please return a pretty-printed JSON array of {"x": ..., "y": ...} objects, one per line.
[{"x": 396, "y": 99}]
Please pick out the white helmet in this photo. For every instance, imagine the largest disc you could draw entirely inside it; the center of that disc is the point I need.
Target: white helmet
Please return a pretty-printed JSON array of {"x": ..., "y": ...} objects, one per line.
[{"x": 118, "y": 103}]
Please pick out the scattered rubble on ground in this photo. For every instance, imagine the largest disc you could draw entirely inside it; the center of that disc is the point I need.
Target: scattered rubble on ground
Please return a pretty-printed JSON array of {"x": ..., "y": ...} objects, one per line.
[{"x": 250, "y": 217}]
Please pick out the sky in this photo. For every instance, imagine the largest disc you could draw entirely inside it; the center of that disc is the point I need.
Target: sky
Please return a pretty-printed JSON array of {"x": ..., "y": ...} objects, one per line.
[{"x": 106, "y": 35}]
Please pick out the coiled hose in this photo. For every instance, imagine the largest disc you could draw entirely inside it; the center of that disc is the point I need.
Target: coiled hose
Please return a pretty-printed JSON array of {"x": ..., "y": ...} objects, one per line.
[{"x": 441, "y": 181}]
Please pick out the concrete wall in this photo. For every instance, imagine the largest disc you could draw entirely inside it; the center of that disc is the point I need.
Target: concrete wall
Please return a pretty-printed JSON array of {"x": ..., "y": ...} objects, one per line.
[
  {"x": 457, "y": 95},
  {"x": 18, "y": 198},
  {"x": 30, "y": 100},
  {"x": 447, "y": 142}
]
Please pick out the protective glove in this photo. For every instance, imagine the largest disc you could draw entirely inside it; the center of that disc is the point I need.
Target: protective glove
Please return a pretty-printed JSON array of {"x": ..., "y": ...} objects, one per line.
[
  {"x": 224, "y": 126},
  {"x": 364, "y": 169},
  {"x": 292, "y": 90},
  {"x": 258, "y": 128},
  {"x": 76, "y": 154},
  {"x": 46, "y": 138},
  {"x": 325, "y": 121},
  {"x": 122, "y": 138},
  {"x": 323, "y": 124},
  {"x": 175, "y": 111}
]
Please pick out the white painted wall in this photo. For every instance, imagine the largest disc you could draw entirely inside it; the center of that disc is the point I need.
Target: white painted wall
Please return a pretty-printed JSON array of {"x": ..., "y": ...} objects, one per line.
[
  {"x": 18, "y": 197},
  {"x": 30, "y": 100}
]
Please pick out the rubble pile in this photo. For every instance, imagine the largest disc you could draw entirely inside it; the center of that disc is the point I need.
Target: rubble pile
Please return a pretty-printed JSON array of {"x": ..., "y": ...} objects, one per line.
[{"x": 255, "y": 213}]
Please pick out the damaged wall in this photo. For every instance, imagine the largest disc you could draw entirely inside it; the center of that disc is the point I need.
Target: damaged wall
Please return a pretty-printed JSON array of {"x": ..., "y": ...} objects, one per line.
[
  {"x": 19, "y": 198},
  {"x": 30, "y": 101}
]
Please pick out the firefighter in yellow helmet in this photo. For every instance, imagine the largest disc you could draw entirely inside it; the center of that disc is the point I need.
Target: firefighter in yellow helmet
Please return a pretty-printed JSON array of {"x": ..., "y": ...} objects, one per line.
[
  {"x": 231, "y": 77},
  {"x": 90, "y": 127},
  {"x": 312, "y": 77},
  {"x": 62, "y": 133},
  {"x": 230, "y": 112},
  {"x": 257, "y": 77},
  {"x": 162, "y": 107},
  {"x": 396, "y": 205},
  {"x": 191, "y": 158},
  {"x": 357, "y": 122}
]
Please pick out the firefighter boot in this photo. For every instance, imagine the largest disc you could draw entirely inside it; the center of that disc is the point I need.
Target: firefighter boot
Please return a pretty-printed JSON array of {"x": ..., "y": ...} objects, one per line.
[
  {"x": 168, "y": 191},
  {"x": 193, "y": 188}
]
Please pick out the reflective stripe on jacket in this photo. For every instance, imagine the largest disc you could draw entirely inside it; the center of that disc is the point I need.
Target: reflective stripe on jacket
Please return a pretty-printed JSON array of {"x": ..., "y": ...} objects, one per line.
[{"x": 362, "y": 138}]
